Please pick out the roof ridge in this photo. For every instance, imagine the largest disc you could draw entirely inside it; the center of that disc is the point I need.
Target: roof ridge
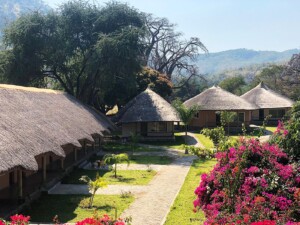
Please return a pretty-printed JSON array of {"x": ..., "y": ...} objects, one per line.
[{"x": 30, "y": 89}]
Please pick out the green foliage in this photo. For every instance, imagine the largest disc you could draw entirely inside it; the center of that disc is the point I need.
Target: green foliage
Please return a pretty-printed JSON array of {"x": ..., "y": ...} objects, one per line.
[
  {"x": 289, "y": 140},
  {"x": 225, "y": 144},
  {"x": 233, "y": 84},
  {"x": 186, "y": 114},
  {"x": 114, "y": 159},
  {"x": 89, "y": 51},
  {"x": 202, "y": 153},
  {"x": 216, "y": 134},
  {"x": 158, "y": 82},
  {"x": 227, "y": 117},
  {"x": 93, "y": 185}
]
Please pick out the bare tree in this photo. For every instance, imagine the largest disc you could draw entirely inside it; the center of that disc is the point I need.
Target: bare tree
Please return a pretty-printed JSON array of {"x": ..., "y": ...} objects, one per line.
[
  {"x": 290, "y": 77},
  {"x": 167, "y": 52}
]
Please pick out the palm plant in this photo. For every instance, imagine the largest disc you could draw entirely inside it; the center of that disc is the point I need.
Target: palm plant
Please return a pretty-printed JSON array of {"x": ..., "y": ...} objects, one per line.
[
  {"x": 93, "y": 185},
  {"x": 186, "y": 115},
  {"x": 114, "y": 159},
  {"x": 227, "y": 117}
]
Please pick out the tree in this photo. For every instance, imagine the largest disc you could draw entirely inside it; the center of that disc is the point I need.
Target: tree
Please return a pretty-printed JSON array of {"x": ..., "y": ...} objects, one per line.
[
  {"x": 271, "y": 77},
  {"x": 227, "y": 117},
  {"x": 89, "y": 51},
  {"x": 166, "y": 51},
  {"x": 233, "y": 84},
  {"x": 158, "y": 82},
  {"x": 93, "y": 185},
  {"x": 114, "y": 159},
  {"x": 186, "y": 115},
  {"x": 290, "y": 78}
]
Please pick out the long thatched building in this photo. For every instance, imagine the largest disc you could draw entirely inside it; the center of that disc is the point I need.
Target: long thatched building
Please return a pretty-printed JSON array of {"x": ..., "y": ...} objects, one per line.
[
  {"x": 269, "y": 103},
  {"x": 42, "y": 132},
  {"x": 214, "y": 100},
  {"x": 149, "y": 116}
]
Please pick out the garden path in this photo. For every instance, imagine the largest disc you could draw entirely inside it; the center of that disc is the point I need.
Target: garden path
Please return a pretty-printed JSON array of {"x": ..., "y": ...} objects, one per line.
[
  {"x": 193, "y": 140},
  {"x": 153, "y": 201}
]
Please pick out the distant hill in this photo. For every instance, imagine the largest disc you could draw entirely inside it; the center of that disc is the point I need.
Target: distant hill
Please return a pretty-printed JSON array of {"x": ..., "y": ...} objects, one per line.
[
  {"x": 12, "y": 9},
  {"x": 216, "y": 63}
]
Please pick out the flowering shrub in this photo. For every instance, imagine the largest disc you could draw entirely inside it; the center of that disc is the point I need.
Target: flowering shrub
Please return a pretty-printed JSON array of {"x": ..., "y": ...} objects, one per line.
[
  {"x": 104, "y": 220},
  {"x": 250, "y": 183},
  {"x": 16, "y": 220}
]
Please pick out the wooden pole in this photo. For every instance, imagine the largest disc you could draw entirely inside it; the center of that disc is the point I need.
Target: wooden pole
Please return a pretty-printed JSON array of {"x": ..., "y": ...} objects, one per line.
[
  {"x": 62, "y": 163},
  {"x": 85, "y": 148},
  {"x": 75, "y": 154},
  {"x": 44, "y": 168},
  {"x": 20, "y": 184},
  {"x": 99, "y": 145}
]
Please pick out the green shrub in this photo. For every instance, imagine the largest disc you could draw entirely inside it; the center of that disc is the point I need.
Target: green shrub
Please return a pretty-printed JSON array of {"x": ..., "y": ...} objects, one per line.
[
  {"x": 202, "y": 153},
  {"x": 216, "y": 134}
]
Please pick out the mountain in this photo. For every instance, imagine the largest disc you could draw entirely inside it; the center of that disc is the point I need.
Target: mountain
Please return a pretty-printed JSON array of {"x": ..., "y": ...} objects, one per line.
[
  {"x": 12, "y": 9},
  {"x": 215, "y": 63}
]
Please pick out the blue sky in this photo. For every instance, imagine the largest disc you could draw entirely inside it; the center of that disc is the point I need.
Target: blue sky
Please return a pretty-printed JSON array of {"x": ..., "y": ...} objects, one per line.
[{"x": 228, "y": 24}]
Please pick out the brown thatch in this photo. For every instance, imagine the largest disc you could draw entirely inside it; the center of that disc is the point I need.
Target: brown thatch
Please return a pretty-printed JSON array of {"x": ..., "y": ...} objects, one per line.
[
  {"x": 264, "y": 97},
  {"x": 216, "y": 98},
  {"x": 36, "y": 121},
  {"x": 147, "y": 107}
]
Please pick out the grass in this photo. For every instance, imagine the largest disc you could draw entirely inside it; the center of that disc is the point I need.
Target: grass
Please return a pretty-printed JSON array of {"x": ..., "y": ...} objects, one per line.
[
  {"x": 271, "y": 129},
  {"x": 176, "y": 144},
  {"x": 120, "y": 148},
  {"x": 182, "y": 210},
  {"x": 147, "y": 159},
  {"x": 204, "y": 140},
  {"x": 68, "y": 210},
  {"x": 126, "y": 177},
  {"x": 143, "y": 159}
]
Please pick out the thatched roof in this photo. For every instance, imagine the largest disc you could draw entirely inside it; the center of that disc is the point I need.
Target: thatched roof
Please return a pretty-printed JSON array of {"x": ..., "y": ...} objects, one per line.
[
  {"x": 216, "y": 98},
  {"x": 147, "y": 107},
  {"x": 35, "y": 121},
  {"x": 264, "y": 97}
]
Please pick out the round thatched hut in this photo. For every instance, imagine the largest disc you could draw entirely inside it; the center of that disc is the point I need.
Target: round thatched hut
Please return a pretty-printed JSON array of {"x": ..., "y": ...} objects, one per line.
[
  {"x": 215, "y": 99},
  {"x": 148, "y": 115},
  {"x": 269, "y": 103}
]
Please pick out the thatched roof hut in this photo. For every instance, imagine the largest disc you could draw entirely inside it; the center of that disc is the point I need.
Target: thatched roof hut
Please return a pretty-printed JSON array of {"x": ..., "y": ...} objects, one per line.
[
  {"x": 36, "y": 121},
  {"x": 147, "y": 107},
  {"x": 216, "y": 98},
  {"x": 264, "y": 97}
]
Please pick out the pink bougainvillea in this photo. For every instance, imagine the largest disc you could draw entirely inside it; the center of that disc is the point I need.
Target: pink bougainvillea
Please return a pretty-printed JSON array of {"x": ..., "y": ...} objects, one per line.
[{"x": 253, "y": 182}]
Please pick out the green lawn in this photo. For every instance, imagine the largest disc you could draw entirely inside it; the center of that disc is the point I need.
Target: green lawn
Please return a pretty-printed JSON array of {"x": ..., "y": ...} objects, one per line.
[
  {"x": 126, "y": 177},
  {"x": 143, "y": 159},
  {"x": 272, "y": 129},
  {"x": 68, "y": 210},
  {"x": 205, "y": 141},
  {"x": 150, "y": 159},
  {"x": 182, "y": 210},
  {"x": 176, "y": 144},
  {"x": 120, "y": 148}
]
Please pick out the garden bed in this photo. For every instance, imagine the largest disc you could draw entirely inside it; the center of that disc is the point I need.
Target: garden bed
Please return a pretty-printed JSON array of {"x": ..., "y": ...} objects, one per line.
[
  {"x": 68, "y": 210},
  {"x": 125, "y": 177}
]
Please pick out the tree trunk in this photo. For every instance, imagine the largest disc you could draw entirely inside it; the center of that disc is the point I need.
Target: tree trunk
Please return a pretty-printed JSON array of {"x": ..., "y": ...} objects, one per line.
[
  {"x": 116, "y": 170},
  {"x": 185, "y": 140}
]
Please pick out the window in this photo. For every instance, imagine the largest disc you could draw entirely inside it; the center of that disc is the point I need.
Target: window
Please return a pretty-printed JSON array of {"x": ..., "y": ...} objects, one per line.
[
  {"x": 276, "y": 113},
  {"x": 196, "y": 115},
  {"x": 158, "y": 127}
]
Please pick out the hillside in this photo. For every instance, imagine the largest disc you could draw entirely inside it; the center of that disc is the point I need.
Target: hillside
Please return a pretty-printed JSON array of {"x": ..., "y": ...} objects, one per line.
[
  {"x": 12, "y": 9},
  {"x": 216, "y": 63}
]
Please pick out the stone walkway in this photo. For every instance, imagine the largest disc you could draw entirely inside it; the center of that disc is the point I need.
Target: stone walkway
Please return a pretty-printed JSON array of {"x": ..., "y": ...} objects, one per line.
[
  {"x": 153, "y": 206},
  {"x": 153, "y": 201},
  {"x": 193, "y": 140}
]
